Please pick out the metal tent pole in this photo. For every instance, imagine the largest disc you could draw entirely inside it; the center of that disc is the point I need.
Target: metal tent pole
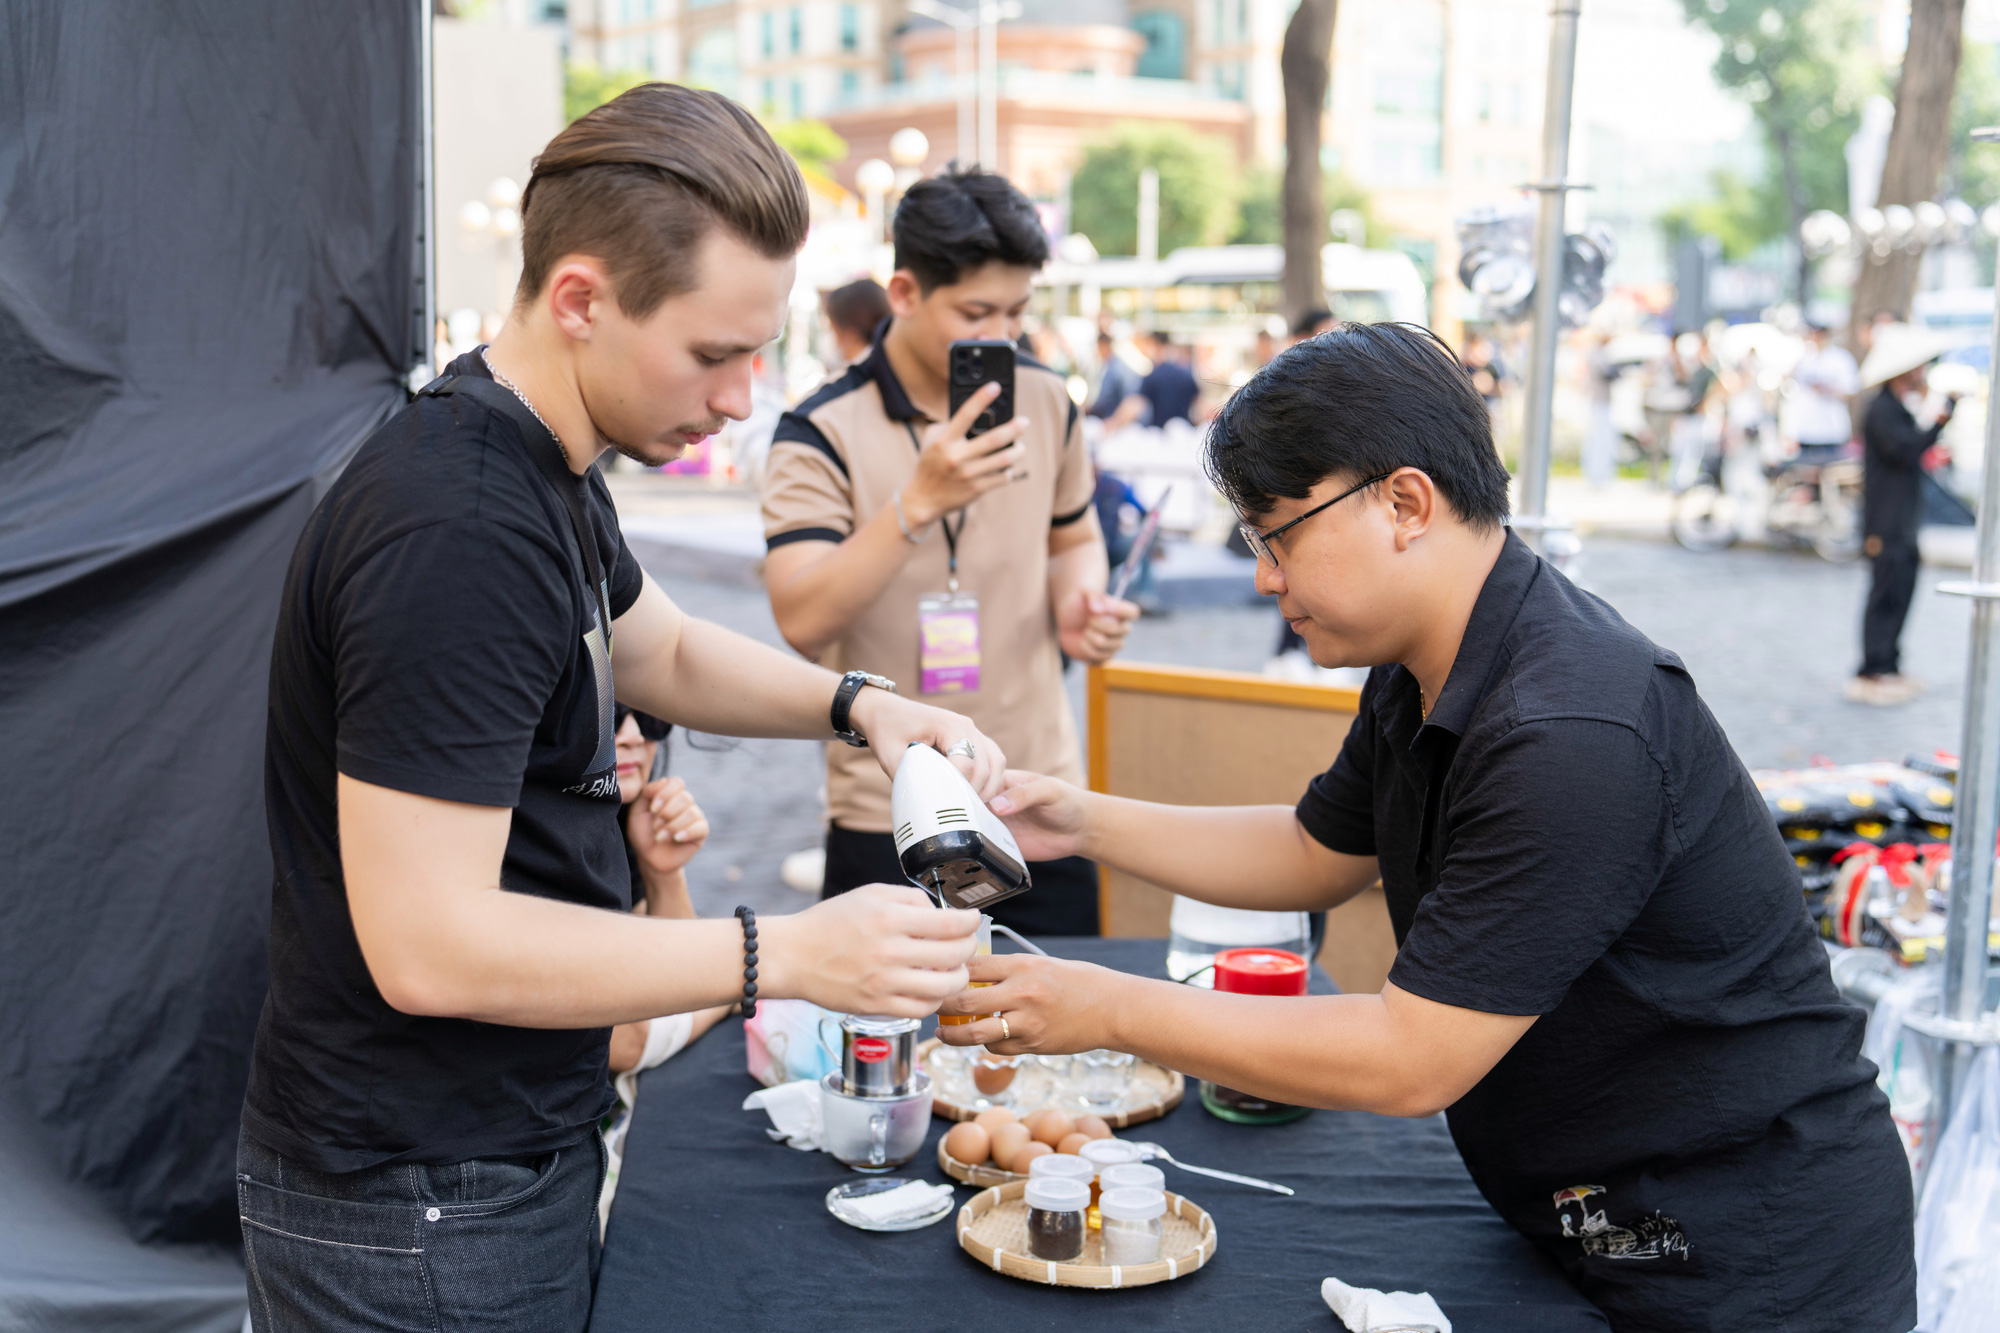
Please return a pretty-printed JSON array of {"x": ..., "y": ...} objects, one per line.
[
  {"x": 989, "y": 83},
  {"x": 1977, "y": 825},
  {"x": 424, "y": 280},
  {"x": 1550, "y": 245}
]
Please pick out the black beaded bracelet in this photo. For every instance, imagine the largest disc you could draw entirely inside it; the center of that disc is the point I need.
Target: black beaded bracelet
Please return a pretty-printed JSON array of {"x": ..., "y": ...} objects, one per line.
[{"x": 748, "y": 1008}]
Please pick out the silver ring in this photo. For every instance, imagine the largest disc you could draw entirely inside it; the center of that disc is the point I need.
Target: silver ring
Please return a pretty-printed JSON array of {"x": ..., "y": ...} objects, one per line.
[
  {"x": 965, "y": 748},
  {"x": 1005, "y": 1035}
]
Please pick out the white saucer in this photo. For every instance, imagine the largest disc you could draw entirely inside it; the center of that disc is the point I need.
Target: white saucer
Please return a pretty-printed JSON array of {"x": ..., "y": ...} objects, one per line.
[{"x": 858, "y": 1189}]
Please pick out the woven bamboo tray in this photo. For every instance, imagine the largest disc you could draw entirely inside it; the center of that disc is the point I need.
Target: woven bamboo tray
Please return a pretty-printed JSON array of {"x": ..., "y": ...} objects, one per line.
[
  {"x": 982, "y": 1175},
  {"x": 993, "y": 1228},
  {"x": 1155, "y": 1091}
]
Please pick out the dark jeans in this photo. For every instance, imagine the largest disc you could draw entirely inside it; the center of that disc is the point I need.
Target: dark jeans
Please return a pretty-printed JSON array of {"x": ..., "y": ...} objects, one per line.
[
  {"x": 494, "y": 1243},
  {"x": 1062, "y": 901},
  {"x": 1892, "y": 585}
]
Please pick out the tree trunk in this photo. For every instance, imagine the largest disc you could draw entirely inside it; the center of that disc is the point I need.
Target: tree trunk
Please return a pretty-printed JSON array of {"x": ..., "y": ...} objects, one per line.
[
  {"x": 1795, "y": 204},
  {"x": 1306, "y": 64},
  {"x": 1919, "y": 141}
]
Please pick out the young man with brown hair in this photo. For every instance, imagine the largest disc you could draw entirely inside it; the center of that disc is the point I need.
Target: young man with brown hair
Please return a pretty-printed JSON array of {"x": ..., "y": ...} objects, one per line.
[
  {"x": 450, "y": 940},
  {"x": 960, "y": 563}
]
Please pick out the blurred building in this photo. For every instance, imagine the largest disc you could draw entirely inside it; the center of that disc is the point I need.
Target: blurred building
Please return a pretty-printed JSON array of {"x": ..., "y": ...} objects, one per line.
[
  {"x": 498, "y": 98},
  {"x": 782, "y": 58},
  {"x": 1435, "y": 108},
  {"x": 1069, "y": 70}
]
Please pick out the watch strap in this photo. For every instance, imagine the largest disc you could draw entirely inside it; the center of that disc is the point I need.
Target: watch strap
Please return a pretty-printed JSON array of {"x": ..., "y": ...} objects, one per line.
[{"x": 843, "y": 702}]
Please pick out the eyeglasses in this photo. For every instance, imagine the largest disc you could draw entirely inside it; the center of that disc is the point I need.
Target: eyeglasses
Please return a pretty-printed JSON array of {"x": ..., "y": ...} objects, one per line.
[{"x": 1260, "y": 542}]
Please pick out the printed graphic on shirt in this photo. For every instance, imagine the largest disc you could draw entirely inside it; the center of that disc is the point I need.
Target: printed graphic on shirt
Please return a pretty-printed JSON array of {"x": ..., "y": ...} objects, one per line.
[
  {"x": 1654, "y": 1236},
  {"x": 600, "y": 779}
]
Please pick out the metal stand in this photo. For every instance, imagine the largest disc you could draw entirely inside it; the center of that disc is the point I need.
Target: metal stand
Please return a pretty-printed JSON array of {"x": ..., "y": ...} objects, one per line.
[
  {"x": 1964, "y": 1022},
  {"x": 1550, "y": 248},
  {"x": 423, "y": 281}
]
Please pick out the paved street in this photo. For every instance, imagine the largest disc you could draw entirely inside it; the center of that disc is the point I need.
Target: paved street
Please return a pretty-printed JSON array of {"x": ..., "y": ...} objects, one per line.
[{"x": 1769, "y": 637}]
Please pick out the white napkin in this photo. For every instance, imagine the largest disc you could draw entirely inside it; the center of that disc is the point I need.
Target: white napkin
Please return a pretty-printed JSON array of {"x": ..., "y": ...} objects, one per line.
[
  {"x": 1366, "y": 1310},
  {"x": 794, "y": 1109},
  {"x": 907, "y": 1200}
]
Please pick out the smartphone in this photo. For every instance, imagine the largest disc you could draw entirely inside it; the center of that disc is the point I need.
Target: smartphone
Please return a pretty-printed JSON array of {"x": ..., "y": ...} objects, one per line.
[{"x": 978, "y": 361}]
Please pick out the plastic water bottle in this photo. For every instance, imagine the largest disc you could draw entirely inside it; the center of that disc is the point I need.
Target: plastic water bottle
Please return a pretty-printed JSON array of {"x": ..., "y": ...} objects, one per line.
[{"x": 1198, "y": 931}]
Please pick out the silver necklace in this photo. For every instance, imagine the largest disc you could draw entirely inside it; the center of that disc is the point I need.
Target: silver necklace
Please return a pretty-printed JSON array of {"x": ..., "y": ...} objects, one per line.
[{"x": 515, "y": 389}]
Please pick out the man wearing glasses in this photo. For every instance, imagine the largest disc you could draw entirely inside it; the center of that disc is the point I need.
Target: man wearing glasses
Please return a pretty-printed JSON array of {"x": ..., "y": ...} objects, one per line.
[{"x": 1606, "y": 976}]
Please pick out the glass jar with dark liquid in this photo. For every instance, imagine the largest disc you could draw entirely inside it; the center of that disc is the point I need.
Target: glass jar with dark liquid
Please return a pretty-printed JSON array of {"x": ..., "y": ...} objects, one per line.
[{"x": 1254, "y": 971}]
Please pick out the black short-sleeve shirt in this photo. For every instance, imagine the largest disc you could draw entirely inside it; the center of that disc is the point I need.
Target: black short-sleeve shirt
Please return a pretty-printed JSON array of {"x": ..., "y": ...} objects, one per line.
[
  {"x": 438, "y": 635},
  {"x": 1688, "y": 1127}
]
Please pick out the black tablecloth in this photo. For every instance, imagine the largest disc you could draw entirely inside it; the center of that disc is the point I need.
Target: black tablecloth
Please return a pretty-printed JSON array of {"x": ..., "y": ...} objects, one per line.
[{"x": 717, "y": 1226}]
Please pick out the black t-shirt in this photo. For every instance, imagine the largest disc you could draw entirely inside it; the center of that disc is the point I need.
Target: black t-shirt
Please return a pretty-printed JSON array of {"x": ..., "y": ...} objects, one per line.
[
  {"x": 438, "y": 636},
  {"x": 1688, "y": 1127}
]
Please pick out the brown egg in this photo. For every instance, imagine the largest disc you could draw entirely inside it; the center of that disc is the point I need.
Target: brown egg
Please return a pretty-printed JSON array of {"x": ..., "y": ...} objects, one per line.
[
  {"x": 993, "y": 1119},
  {"x": 1073, "y": 1144},
  {"x": 1008, "y": 1140},
  {"x": 1027, "y": 1153},
  {"x": 991, "y": 1079},
  {"x": 1051, "y": 1127},
  {"x": 1094, "y": 1126},
  {"x": 968, "y": 1142}
]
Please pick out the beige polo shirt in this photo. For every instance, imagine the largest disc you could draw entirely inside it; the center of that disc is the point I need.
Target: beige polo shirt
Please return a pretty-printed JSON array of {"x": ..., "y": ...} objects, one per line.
[{"x": 835, "y": 461}]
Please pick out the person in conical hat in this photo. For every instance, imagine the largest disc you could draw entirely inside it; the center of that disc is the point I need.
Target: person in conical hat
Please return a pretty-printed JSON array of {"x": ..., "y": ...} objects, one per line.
[{"x": 1894, "y": 447}]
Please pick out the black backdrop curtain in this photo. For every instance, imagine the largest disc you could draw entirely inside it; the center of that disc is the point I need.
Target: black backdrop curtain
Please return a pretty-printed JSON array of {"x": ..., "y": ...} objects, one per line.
[{"x": 208, "y": 214}]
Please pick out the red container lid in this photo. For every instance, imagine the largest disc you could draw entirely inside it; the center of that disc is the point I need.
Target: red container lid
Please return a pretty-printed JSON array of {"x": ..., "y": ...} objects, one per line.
[{"x": 1258, "y": 971}]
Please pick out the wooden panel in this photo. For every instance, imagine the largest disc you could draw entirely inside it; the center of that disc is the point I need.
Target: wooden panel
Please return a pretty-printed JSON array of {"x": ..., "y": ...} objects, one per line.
[{"x": 1192, "y": 737}]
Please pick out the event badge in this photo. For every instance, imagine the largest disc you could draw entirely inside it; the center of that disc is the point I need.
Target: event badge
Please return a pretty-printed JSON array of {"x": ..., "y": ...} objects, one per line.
[{"x": 948, "y": 642}]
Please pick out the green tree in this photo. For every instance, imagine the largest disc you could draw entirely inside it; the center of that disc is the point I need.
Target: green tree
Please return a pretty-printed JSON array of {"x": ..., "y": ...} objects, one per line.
[
  {"x": 586, "y": 87},
  {"x": 1802, "y": 67},
  {"x": 1198, "y": 184},
  {"x": 812, "y": 144},
  {"x": 1260, "y": 210},
  {"x": 1741, "y": 214},
  {"x": 1974, "y": 175}
]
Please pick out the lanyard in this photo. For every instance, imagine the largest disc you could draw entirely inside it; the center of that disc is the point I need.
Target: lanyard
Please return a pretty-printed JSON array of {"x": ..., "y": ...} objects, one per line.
[
  {"x": 944, "y": 522},
  {"x": 554, "y": 466}
]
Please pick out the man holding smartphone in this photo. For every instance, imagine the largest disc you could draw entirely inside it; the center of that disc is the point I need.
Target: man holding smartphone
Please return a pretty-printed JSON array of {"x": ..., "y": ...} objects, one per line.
[{"x": 962, "y": 565}]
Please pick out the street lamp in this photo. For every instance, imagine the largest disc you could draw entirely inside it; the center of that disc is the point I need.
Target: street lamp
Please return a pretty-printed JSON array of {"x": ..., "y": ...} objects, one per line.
[
  {"x": 908, "y": 148},
  {"x": 986, "y": 21},
  {"x": 876, "y": 178},
  {"x": 496, "y": 217}
]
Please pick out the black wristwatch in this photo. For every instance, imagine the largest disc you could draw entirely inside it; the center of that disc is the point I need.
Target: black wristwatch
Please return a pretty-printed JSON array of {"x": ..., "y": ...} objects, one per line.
[{"x": 843, "y": 700}]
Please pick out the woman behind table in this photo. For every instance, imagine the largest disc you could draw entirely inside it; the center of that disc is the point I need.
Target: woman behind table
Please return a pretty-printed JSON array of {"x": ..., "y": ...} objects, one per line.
[{"x": 664, "y": 828}]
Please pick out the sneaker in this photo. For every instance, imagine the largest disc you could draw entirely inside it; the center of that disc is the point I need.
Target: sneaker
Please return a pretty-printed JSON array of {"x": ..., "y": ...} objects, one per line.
[
  {"x": 804, "y": 871},
  {"x": 1898, "y": 688},
  {"x": 1887, "y": 691}
]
